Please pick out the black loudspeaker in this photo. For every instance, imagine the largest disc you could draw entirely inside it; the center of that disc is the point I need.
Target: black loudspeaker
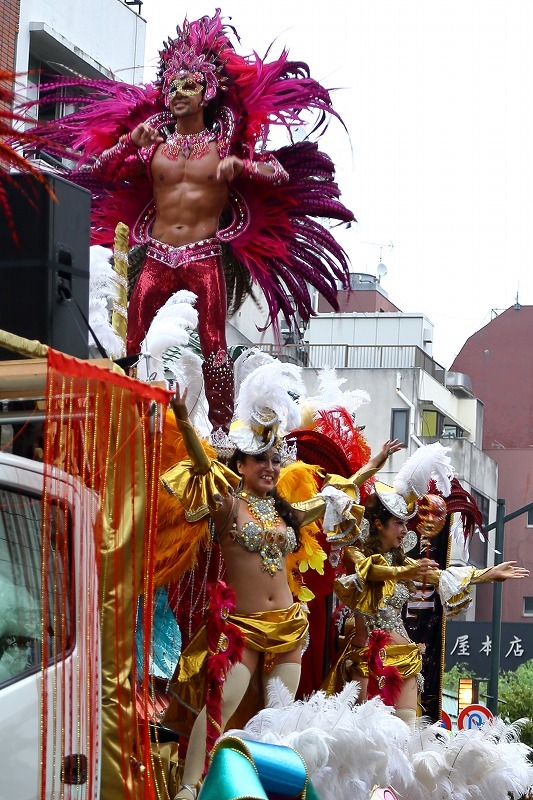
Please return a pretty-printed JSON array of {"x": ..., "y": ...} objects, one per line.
[{"x": 44, "y": 268}]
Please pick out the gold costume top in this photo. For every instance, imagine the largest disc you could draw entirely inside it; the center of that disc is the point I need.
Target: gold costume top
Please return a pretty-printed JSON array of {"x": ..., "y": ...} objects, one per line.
[
  {"x": 379, "y": 590},
  {"x": 199, "y": 483}
]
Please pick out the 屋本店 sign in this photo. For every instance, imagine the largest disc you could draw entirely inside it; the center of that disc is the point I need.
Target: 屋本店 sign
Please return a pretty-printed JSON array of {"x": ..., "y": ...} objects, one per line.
[{"x": 470, "y": 643}]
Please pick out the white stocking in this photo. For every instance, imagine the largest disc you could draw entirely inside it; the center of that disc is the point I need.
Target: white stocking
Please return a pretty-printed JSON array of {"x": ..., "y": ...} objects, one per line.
[
  {"x": 235, "y": 685},
  {"x": 289, "y": 673}
]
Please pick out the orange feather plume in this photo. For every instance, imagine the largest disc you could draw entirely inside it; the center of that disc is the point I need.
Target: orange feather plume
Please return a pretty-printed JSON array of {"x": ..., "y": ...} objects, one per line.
[{"x": 178, "y": 541}]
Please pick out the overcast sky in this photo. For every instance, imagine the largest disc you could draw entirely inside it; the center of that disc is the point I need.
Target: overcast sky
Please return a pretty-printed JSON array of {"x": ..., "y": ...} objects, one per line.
[{"x": 436, "y": 96}]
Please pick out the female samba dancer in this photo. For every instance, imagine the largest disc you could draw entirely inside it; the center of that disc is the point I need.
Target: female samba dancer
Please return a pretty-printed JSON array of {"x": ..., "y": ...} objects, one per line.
[
  {"x": 379, "y": 583},
  {"x": 256, "y": 530}
]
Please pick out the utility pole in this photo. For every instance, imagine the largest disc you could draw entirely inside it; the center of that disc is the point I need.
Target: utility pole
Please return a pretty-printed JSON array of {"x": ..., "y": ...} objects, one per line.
[{"x": 492, "y": 689}]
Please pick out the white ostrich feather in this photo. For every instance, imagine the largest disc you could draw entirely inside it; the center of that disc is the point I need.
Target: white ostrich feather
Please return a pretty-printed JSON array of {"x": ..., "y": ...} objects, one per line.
[
  {"x": 102, "y": 276},
  {"x": 179, "y": 305},
  {"x": 103, "y": 287},
  {"x": 330, "y": 394},
  {"x": 186, "y": 367},
  {"x": 469, "y": 765},
  {"x": 428, "y": 462},
  {"x": 350, "y": 748},
  {"x": 169, "y": 328},
  {"x": 158, "y": 339},
  {"x": 313, "y": 745},
  {"x": 347, "y": 748},
  {"x": 107, "y": 336},
  {"x": 268, "y": 386},
  {"x": 247, "y": 362}
]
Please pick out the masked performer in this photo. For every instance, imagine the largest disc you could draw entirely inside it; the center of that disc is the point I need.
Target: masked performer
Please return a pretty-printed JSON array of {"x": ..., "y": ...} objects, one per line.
[
  {"x": 257, "y": 531},
  {"x": 190, "y": 174},
  {"x": 379, "y": 581}
]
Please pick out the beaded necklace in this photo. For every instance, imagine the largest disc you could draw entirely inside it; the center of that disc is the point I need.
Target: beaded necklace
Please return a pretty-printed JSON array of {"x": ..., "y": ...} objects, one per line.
[
  {"x": 189, "y": 145},
  {"x": 262, "y": 509}
]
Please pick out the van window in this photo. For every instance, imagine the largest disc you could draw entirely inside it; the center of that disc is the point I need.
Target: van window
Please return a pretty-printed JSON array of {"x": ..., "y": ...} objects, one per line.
[{"x": 21, "y": 625}]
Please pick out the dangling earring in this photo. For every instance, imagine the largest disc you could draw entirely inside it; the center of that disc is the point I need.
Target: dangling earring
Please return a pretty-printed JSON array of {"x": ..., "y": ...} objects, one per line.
[{"x": 240, "y": 485}]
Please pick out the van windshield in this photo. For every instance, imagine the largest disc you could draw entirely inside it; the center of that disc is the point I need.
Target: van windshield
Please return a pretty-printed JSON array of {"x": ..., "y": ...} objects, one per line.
[{"x": 23, "y": 603}]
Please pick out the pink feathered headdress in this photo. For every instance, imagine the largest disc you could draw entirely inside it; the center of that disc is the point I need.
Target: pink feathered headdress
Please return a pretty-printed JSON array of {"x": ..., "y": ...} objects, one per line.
[{"x": 200, "y": 47}]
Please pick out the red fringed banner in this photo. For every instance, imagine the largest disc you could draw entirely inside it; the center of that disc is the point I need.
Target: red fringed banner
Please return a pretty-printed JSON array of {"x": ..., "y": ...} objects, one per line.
[{"x": 102, "y": 456}]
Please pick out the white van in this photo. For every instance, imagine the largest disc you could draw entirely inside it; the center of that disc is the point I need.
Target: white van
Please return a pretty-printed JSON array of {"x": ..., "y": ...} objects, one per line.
[{"x": 65, "y": 582}]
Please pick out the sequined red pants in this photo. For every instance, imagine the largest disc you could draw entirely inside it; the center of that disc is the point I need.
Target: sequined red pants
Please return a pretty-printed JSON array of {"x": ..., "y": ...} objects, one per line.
[{"x": 196, "y": 267}]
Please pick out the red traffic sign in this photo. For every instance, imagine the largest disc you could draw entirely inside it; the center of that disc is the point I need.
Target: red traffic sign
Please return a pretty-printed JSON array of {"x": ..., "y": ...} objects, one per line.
[
  {"x": 445, "y": 720},
  {"x": 473, "y": 716}
]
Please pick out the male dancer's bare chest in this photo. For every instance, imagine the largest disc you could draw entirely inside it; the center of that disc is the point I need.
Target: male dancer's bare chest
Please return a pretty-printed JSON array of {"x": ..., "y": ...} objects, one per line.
[{"x": 196, "y": 171}]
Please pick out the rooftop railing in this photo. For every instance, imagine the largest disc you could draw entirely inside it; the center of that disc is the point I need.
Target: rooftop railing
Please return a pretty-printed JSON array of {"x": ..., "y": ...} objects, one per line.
[{"x": 355, "y": 356}]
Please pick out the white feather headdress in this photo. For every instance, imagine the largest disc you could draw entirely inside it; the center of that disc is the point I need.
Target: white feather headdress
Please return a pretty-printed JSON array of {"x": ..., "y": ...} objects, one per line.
[
  {"x": 430, "y": 462},
  {"x": 247, "y": 362},
  {"x": 266, "y": 406}
]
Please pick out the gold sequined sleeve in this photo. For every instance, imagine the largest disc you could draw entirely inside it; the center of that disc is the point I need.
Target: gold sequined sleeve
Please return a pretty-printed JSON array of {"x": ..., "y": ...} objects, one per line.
[
  {"x": 341, "y": 526},
  {"x": 369, "y": 580},
  {"x": 198, "y": 482}
]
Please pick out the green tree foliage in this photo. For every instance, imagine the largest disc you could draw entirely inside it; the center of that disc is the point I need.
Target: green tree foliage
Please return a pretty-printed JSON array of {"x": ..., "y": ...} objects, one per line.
[
  {"x": 515, "y": 690},
  {"x": 450, "y": 679},
  {"x": 516, "y": 694}
]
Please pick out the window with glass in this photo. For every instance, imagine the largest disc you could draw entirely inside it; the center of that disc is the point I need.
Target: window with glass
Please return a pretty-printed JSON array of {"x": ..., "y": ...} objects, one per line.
[
  {"x": 478, "y": 548},
  {"x": 400, "y": 424},
  {"x": 528, "y": 606},
  {"x": 432, "y": 422},
  {"x": 26, "y": 611}
]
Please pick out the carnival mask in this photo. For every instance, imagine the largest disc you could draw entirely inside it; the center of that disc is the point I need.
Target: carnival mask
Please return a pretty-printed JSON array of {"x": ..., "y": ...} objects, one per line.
[
  {"x": 432, "y": 513},
  {"x": 187, "y": 85}
]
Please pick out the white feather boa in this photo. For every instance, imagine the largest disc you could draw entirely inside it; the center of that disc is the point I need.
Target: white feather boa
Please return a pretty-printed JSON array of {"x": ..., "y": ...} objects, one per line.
[{"x": 350, "y": 748}]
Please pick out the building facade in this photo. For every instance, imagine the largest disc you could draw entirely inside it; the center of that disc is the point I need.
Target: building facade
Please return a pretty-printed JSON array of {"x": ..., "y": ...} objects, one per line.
[
  {"x": 498, "y": 361},
  {"x": 43, "y": 38}
]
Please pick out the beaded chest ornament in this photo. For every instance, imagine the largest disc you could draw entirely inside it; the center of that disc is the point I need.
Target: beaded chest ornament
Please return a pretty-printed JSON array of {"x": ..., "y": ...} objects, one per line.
[
  {"x": 263, "y": 511},
  {"x": 189, "y": 145}
]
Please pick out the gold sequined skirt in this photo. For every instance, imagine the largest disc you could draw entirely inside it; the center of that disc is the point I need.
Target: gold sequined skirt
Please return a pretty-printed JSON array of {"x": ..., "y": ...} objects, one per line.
[
  {"x": 267, "y": 632},
  {"x": 352, "y": 663}
]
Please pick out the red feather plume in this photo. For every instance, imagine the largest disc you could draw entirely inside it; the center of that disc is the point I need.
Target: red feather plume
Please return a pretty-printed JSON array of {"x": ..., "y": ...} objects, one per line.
[{"x": 384, "y": 681}]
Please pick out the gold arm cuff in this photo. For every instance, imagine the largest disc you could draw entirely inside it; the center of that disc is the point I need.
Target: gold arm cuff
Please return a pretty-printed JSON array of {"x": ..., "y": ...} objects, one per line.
[
  {"x": 195, "y": 449},
  {"x": 199, "y": 493},
  {"x": 312, "y": 509},
  {"x": 479, "y": 576},
  {"x": 362, "y": 475}
]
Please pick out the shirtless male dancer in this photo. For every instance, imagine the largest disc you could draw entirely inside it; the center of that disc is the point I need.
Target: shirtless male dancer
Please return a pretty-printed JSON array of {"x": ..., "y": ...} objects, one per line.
[{"x": 190, "y": 172}]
